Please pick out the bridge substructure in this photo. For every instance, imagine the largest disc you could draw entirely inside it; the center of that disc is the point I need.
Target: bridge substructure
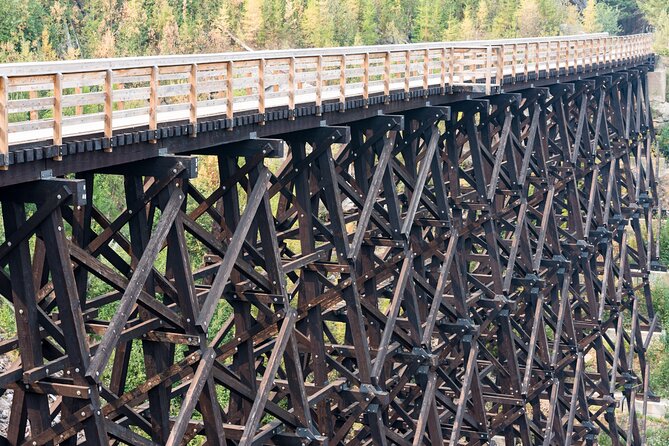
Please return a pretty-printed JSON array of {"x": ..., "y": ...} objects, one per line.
[{"x": 439, "y": 266}]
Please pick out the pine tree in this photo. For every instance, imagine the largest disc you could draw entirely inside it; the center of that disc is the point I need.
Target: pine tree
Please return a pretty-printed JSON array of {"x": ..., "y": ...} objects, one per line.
[
  {"x": 426, "y": 24},
  {"x": 368, "y": 34},
  {"x": 505, "y": 23},
  {"x": 590, "y": 23},
  {"x": 529, "y": 19}
]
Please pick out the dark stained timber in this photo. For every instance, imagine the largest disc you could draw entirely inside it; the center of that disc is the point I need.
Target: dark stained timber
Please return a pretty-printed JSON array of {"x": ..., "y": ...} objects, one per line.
[{"x": 455, "y": 274}]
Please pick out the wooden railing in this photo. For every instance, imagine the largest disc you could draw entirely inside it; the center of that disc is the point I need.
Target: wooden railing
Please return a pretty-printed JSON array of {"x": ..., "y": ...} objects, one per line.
[{"x": 52, "y": 101}]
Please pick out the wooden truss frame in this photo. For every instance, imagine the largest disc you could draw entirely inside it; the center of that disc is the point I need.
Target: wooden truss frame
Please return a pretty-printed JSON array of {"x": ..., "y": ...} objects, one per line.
[{"x": 443, "y": 276}]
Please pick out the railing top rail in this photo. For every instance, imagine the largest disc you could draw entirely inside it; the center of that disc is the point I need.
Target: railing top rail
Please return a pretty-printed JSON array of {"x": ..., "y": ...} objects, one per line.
[{"x": 92, "y": 65}]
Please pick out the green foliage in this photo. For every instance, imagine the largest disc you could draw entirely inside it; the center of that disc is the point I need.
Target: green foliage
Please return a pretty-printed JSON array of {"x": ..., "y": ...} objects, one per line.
[
  {"x": 7, "y": 320},
  {"x": 659, "y": 372},
  {"x": 658, "y": 436},
  {"x": 608, "y": 18},
  {"x": 662, "y": 141},
  {"x": 658, "y": 353},
  {"x": 56, "y": 29},
  {"x": 657, "y": 14}
]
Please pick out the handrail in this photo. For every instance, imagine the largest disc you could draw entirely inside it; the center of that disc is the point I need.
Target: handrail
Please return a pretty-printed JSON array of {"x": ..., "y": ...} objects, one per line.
[
  {"x": 50, "y": 101},
  {"x": 83, "y": 65}
]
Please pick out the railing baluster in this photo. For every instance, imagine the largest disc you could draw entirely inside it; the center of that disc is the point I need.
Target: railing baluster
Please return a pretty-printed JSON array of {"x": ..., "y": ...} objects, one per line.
[
  {"x": 291, "y": 88},
  {"x": 488, "y": 70},
  {"x": 58, "y": 113},
  {"x": 386, "y": 76},
  {"x": 79, "y": 109},
  {"x": 426, "y": 71},
  {"x": 600, "y": 61},
  {"x": 342, "y": 84},
  {"x": 261, "y": 90},
  {"x": 407, "y": 74},
  {"x": 536, "y": 62},
  {"x": 444, "y": 69},
  {"x": 451, "y": 68},
  {"x": 109, "y": 105},
  {"x": 120, "y": 105},
  {"x": 500, "y": 66},
  {"x": 4, "y": 122},
  {"x": 230, "y": 94},
  {"x": 526, "y": 68},
  {"x": 34, "y": 115},
  {"x": 192, "y": 99},
  {"x": 153, "y": 101},
  {"x": 365, "y": 82},
  {"x": 319, "y": 85},
  {"x": 514, "y": 62}
]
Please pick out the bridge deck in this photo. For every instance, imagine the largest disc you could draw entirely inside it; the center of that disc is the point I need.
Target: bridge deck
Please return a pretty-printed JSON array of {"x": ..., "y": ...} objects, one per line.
[{"x": 49, "y": 110}]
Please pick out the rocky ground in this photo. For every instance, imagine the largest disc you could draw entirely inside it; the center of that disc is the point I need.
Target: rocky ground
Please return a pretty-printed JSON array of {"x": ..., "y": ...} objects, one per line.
[{"x": 5, "y": 399}]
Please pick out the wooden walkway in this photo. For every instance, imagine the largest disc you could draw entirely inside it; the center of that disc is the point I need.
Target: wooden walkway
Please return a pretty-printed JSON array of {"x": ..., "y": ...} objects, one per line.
[{"x": 46, "y": 103}]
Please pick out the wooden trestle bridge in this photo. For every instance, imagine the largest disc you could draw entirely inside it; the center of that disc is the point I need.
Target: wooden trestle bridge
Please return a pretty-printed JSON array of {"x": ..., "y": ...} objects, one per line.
[{"x": 455, "y": 248}]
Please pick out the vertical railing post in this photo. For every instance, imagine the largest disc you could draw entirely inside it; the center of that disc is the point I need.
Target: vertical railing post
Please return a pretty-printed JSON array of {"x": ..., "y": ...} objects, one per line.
[
  {"x": 426, "y": 71},
  {"x": 451, "y": 68},
  {"x": 365, "y": 80},
  {"x": 153, "y": 102},
  {"x": 514, "y": 62},
  {"x": 488, "y": 70},
  {"x": 34, "y": 115},
  {"x": 319, "y": 85},
  {"x": 192, "y": 99},
  {"x": 526, "y": 67},
  {"x": 4, "y": 122},
  {"x": 291, "y": 88},
  {"x": 79, "y": 109},
  {"x": 109, "y": 106},
  {"x": 386, "y": 77},
  {"x": 547, "y": 59},
  {"x": 342, "y": 84},
  {"x": 444, "y": 69},
  {"x": 58, "y": 113},
  {"x": 537, "y": 58},
  {"x": 623, "y": 51},
  {"x": 120, "y": 105},
  {"x": 500, "y": 65},
  {"x": 261, "y": 90},
  {"x": 407, "y": 74},
  {"x": 601, "y": 56},
  {"x": 230, "y": 94}
]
